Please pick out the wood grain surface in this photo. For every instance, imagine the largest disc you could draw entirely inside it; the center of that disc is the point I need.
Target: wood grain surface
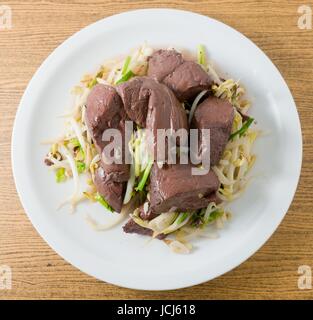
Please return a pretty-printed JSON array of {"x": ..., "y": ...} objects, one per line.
[{"x": 38, "y": 272}]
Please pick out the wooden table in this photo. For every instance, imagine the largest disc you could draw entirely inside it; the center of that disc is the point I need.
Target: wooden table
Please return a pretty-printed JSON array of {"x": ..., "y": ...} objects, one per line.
[{"x": 38, "y": 272}]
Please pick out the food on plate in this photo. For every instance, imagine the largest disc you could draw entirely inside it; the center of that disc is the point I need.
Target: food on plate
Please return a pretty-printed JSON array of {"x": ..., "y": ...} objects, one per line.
[
  {"x": 152, "y": 105},
  {"x": 185, "y": 78},
  {"x": 174, "y": 188},
  {"x": 105, "y": 110},
  {"x": 157, "y": 90},
  {"x": 217, "y": 115},
  {"x": 112, "y": 191}
]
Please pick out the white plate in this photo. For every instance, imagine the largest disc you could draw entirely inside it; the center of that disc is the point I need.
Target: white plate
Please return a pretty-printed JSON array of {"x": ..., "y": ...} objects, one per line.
[{"x": 129, "y": 260}]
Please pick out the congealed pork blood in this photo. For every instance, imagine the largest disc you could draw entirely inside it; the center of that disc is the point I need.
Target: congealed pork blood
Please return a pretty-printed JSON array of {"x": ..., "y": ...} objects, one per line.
[
  {"x": 185, "y": 78},
  {"x": 116, "y": 172},
  {"x": 112, "y": 191},
  {"x": 132, "y": 227},
  {"x": 105, "y": 110},
  {"x": 165, "y": 111},
  {"x": 217, "y": 115},
  {"x": 174, "y": 186},
  {"x": 135, "y": 95},
  {"x": 188, "y": 80},
  {"x": 163, "y": 62},
  {"x": 152, "y": 105}
]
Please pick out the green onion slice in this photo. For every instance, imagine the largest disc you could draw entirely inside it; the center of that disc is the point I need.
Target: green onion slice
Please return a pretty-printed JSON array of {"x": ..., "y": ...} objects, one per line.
[
  {"x": 126, "y": 65},
  {"x": 129, "y": 74},
  {"x": 103, "y": 202},
  {"x": 144, "y": 178},
  {"x": 201, "y": 55},
  {"x": 243, "y": 129},
  {"x": 60, "y": 175}
]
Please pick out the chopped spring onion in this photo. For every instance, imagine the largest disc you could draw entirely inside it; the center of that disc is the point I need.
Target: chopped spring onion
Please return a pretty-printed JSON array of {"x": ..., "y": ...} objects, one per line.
[
  {"x": 195, "y": 104},
  {"x": 162, "y": 221},
  {"x": 140, "y": 222},
  {"x": 201, "y": 55},
  {"x": 207, "y": 215},
  {"x": 94, "y": 81},
  {"x": 181, "y": 218},
  {"x": 197, "y": 218},
  {"x": 79, "y": 155},
  {"x": 75, "y": 142},
  {"x": 214, "y": 216},
  {"x": 60, "y": 175},
  {"x": 243, "y": 129},
  {"x": 103, "y": 202},
  {"x": 144, "y": 178},
  {"x": 81, "y": 166},
  {"x": 139, "y": 150},
  {"x": 129, "y": 74},
  {"x": 180, "y": 221},
  {"x": 126, "y": 65},
  {"x": 90, "y": 196},
  {"x": 78, "y": 132}
]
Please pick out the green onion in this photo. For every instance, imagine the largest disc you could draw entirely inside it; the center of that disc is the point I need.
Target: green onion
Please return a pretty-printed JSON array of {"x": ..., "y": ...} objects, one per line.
[
  {"x": 99, "y": 74},
  {"x": 182, "y": 217},
  {"x": 201, "y": 55},
  {"x": 89, "y": 196},
  {"x": 180, "y": 221},
  {"x": 126, "y": 65},
  {"x": 75, "y": 142},
  {"x": 144, "y": 178},
  {"x": 197, "y": 217},
  {"x": 81, "y": 166},
  {"x": 129, "y": 74},
  {"x": 94, "y": 81},
  {"x": 103, "y": 202},
  {"x": 213, "y": 216},
  {"x": 243, "y": 129},
  {"x": 60, "y": 175}
]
